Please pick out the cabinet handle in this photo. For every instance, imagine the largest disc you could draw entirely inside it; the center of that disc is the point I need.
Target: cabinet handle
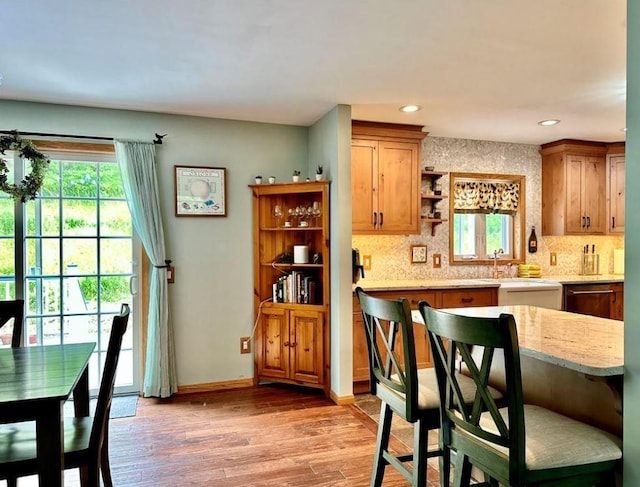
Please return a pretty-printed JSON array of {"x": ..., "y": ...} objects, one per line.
[
  {"x": 467, "y": 300},
  {"x": 613, "y": 222},
  {"x": 381, "y": 218},
  {"x": 292, "y": 344},
  {"x": 375, "y": 219},
  {"x": 286, "y": 344},
  {"x": 584, "y": 221},
  {"x": 588, "y": 221}
]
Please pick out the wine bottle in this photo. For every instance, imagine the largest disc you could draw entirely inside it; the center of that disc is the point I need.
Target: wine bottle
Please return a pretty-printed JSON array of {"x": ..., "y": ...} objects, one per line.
[{"x": 533, "y": 241}]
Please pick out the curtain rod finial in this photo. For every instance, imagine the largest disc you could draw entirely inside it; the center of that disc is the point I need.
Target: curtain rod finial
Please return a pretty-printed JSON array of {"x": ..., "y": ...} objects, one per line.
[{"x": 158, "y": 139}]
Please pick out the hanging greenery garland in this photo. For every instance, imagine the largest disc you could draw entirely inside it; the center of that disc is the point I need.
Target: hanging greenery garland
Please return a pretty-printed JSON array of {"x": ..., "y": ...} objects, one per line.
[{"x": 28, "y": 188}]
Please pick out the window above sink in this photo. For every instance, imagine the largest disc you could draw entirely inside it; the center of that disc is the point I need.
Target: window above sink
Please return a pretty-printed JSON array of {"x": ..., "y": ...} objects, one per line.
[{"x": 487, "y": 218}]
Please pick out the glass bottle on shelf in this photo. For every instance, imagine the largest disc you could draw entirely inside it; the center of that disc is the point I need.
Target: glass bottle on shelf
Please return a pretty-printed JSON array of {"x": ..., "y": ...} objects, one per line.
[{"x": 533, "y": 241}]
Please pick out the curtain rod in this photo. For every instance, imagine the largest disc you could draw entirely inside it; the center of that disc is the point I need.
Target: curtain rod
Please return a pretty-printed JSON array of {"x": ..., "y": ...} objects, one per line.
[{"x": 157, "y": 140}]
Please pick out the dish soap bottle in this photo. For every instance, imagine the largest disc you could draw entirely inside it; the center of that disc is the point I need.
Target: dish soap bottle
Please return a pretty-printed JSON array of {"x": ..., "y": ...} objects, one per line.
[{"x": 533, "y": 241}]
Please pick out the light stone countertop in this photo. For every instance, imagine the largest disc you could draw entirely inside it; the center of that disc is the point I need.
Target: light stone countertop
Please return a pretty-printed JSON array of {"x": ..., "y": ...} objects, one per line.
[
  {"x": 417, "y": 285},
  {"x": 580, "y": 279},
  {"x": 586, "y": 344}
]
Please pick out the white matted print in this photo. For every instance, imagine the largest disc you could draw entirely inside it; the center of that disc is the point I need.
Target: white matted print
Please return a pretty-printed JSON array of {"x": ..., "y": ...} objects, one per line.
[{"x": 200, "y": 191}]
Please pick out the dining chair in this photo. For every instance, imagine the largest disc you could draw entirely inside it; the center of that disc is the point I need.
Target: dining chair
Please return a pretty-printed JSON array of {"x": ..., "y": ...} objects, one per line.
[
  {"x": 403, "y": 389},
  {"x": 517, "y": 444},
  {"x": 13, "y": 309},
  {"x": 86, "y": 444}
]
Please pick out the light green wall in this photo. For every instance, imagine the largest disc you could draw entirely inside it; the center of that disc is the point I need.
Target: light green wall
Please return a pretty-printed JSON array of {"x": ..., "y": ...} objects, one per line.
[
  {"x": 211, "y": 300},
  {"x": 330, "y": 146},
  {"x": 632, "y": 254}
]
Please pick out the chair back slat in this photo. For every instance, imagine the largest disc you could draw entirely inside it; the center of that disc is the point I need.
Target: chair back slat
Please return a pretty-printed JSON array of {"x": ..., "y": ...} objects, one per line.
[
  {"x": 13, "y": 309},
  {"x": 391, "y": 364},
  {"x": 471, "y": 344},
  {"x": 105, "y": 394}
]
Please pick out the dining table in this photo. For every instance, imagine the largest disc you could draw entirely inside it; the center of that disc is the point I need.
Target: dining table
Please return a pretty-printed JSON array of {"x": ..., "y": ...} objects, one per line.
[{"x": 35, "y": 382}]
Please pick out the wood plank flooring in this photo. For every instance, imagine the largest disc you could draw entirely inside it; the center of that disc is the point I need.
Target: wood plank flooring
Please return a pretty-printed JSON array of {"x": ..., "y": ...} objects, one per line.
[{"x": 270, "y": 435}]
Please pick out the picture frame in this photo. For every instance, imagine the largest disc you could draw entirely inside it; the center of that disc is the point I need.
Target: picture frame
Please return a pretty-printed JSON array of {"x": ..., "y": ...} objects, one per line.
[
  {"x": 200, "y": 191},
  {"x": 418, "y": 254}
]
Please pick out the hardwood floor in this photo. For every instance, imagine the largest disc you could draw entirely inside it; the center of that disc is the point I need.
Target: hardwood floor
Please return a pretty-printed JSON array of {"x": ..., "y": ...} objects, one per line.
[{"x": 270, "y": 435}]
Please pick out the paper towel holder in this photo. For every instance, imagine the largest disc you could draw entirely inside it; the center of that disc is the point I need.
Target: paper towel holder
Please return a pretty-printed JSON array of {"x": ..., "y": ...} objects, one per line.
[{"x": 300, "y": 254}]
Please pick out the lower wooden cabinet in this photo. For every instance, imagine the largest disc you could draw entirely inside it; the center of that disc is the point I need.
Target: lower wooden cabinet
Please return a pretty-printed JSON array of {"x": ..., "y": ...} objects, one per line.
[
  {"x": 290, "y": 346},
  {"x": 444, "y": 298}
]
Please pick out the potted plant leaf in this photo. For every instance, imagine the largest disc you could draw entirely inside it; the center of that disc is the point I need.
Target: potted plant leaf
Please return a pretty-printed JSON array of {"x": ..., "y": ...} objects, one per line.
[{"x": 319, "y": 174}]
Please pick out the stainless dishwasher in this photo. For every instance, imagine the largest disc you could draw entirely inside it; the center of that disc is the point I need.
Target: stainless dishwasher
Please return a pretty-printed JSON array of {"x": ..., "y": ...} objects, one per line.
[{"x": 590, "y": 299}]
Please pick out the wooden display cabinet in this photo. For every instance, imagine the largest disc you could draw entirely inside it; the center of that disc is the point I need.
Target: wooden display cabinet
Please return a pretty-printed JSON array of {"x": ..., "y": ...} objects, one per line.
[{"x": 291, "y": 299}]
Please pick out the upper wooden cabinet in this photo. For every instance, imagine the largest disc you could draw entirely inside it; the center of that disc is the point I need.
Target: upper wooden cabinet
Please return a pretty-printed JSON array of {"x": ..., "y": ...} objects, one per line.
[
  {"x": 574, "y": 178},
  {"x": 616, "y": 164},
  {"x": 385, "y": 178}
]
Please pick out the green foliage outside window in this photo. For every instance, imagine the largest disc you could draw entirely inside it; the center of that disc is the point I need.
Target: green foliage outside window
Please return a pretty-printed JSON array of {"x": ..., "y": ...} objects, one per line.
[{"x": 78, "y": 180}]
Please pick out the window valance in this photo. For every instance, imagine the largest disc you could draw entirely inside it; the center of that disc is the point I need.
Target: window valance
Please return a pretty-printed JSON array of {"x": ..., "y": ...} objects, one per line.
[{"x": 486, "y": 197}]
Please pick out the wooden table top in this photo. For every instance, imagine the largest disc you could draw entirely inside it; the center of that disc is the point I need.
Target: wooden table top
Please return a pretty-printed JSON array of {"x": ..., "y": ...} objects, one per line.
[
  {"x": 39, "y": 373},
  {"x": 583, "y": 343}
]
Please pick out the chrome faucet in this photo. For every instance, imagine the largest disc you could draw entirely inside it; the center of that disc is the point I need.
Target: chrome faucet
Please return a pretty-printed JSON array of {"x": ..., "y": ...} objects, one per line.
[{"x": 496, "y": 274}]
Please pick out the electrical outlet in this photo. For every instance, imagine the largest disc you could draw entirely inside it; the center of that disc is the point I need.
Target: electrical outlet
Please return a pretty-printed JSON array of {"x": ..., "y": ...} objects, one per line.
[
  {"x": 437, "y": 261},
  {"x": 553, "y": 258},
  {"x": 245, "y": 345},
  {"x": 366, "y": 262}
]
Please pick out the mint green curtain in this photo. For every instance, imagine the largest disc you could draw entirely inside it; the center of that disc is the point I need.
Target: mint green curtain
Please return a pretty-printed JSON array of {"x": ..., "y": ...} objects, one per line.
[{"x": 138, "y": 169}]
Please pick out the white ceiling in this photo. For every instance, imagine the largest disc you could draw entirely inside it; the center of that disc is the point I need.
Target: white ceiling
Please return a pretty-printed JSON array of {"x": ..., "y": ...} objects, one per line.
[{"x": 481, "y": 69}]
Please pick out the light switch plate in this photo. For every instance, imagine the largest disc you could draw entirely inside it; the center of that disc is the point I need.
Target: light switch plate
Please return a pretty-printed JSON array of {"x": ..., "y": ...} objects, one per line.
[
  {"x": 437, "y": 261},
  {"x": 366, "y": 262},
  {"x": 553, "y": 258}
]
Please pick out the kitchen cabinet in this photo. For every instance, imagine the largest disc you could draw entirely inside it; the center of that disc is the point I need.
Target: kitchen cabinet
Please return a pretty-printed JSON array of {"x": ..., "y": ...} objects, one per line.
[
  {"x": 385, "y": 178},
  {"x": 291, "y": 290},
  {"x": 574, "y": 191},
  {"x": 616, "y": 164},
  {"x": 438, "y": 298}
]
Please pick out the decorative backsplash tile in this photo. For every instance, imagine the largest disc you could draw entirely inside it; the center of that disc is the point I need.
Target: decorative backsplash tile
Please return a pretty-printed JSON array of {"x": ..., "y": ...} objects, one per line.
[{"x": 391, "y": 257}]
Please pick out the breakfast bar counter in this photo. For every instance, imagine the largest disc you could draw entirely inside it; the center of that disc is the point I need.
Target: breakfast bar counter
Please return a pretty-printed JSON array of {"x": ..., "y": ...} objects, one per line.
[
  {"x": 586, "y": 344},
  {"x": 571, "y": 363}
]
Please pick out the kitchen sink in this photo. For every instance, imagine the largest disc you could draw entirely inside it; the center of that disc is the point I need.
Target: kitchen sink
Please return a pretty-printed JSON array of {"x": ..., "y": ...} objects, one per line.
[{"x": 527, "y": 290}]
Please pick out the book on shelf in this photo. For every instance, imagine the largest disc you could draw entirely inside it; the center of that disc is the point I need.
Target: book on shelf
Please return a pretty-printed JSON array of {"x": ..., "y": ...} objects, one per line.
[{"x": 296, "y": 287}]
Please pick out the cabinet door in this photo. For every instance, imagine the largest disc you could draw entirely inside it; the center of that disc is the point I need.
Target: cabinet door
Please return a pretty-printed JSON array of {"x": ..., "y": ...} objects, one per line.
[
  {"x": 305, "y": 345},
  {"x": 616, "y": 193},
  {"x": 594, "y": 194},
  {"x": 398, "y": 198},
  {"x": 273, "y": 351},
  {"x": 364, "y": 185},
  {"x": 575, "y": 221},
  {"x": 360, "y": 349}
]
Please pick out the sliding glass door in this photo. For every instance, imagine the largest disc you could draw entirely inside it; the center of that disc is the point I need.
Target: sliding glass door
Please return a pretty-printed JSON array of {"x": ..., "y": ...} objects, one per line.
[{"x": 75, "y": 260}]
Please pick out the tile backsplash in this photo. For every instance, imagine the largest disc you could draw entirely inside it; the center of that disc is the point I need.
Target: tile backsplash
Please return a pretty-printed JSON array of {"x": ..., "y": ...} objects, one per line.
[{"x": 391, "y": 253}]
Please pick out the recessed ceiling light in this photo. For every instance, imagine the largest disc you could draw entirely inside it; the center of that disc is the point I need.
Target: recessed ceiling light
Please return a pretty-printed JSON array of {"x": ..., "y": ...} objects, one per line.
[
  {"x": 624, "y": 129},
  {"x": 547, "y": 123},
  {"x": 409, "y": 108}
]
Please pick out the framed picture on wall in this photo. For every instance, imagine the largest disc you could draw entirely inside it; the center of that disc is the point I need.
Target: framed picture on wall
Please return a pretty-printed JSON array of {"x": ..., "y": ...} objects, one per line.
[
  {"x": 418, "y": 254},
  {"x": 200, "y": 191}
]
